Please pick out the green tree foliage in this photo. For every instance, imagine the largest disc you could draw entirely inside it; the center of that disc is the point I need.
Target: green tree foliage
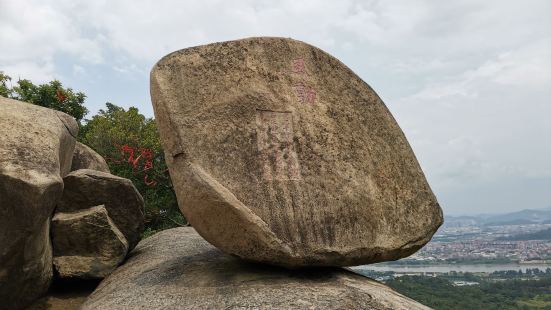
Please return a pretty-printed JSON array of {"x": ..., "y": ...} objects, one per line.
[
  {"x": 131, "y": 146},
  {"x": 5, "y": 85},
  {"x": 51, "y": 95},
  {"x": 440, "y": 293}
]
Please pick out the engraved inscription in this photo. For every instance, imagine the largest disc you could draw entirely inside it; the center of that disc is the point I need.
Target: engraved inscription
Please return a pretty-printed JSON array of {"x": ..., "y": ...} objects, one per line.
[
  {"x": 305, "y": 94},
  {"x": 298, "y": 66},
  {"x": 278, "y": 158}
]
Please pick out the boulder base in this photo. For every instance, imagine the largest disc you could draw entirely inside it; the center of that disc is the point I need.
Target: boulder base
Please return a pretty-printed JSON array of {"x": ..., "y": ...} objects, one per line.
[
  {"x": 86, "y": 244},
  {"x": 177, "y": 269},
  {"x": 279, "y": 153}
]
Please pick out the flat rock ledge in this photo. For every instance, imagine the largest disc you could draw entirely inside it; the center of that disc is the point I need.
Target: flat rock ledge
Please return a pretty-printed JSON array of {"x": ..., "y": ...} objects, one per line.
[{"x": 177, "y": 269}]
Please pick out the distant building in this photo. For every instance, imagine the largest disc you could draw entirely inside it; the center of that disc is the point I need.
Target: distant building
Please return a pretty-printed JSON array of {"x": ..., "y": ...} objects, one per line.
[{"x": 464, "y": 283}]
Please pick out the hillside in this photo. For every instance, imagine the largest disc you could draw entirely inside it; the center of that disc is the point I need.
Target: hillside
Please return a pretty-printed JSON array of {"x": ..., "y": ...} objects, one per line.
[
  {"x": 523, "y": 217},
  {"x": 538, "y": 235}
]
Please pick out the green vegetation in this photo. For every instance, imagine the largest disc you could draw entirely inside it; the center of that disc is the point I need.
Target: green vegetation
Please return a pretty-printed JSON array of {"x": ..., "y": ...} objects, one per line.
[
  {"x": 533, "y": 292},
  {"x": 537, "y": 302},
  {"x": 130, "y": 144},
  {"x": 127, "y": 140},
  {"x": 51, "y": 95}
]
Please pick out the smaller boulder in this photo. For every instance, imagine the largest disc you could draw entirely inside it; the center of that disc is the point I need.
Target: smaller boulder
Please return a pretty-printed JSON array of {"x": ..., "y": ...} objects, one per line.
[
  {"x": 86, "y": 158},
  {"x": 87, "y": 244},
  {"x": 86, "y": 188}
]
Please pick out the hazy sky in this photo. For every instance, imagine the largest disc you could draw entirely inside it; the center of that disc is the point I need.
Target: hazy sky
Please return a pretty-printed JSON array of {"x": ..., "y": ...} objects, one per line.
[{"x": 468, "y": 81}]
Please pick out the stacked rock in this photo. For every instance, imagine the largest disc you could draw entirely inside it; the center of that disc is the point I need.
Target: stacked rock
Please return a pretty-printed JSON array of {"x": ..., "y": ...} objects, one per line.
[
  {"x": 86, "y": 158},
  {"x": 280, "y": 154},
  {"x": 97, "y": 217}
]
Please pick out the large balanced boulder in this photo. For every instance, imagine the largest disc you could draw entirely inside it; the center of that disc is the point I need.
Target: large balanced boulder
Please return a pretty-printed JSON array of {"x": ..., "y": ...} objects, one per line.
[
  {"x": 86, "y": 158},
  {"x": 36, "y": 147},
  {"x": 86, "y": 244},
  {"x": 279, "y": 153},
  {"x": 87, "y": 188},
  {"x": 177, "y": 269}
]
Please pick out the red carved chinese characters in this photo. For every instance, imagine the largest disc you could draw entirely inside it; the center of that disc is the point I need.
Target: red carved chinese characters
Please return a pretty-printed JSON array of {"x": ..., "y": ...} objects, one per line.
[
  {"x": 298, "y": 66},
  {"x": 304, "y": 93}
]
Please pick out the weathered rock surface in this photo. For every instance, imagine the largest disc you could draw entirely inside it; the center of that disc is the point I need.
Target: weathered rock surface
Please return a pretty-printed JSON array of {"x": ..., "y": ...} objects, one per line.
[
  {"x": 86, "y": 244},
  {"x": 177, "y": 269},
  {"x": 86, "y": 158},
  {"x": 36, "y": 147},
  {"x": 86, "y": 188},
  {"x": 279, "y": 153}
]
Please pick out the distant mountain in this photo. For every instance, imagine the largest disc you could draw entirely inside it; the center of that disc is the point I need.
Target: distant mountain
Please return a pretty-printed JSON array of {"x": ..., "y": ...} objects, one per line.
[
  {"x": 462, "y": 221},
  {"x": 527, "y": 216},
  {"x": 520, "y": 221},
  {"x": 536, "y": 216},
  {"x": 538, "y": 235}
]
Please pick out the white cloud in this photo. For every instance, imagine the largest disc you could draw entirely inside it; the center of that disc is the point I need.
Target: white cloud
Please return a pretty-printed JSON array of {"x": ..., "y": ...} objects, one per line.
[
  {"x": 529, "y": 66},
  {"x": 486, "y": 123},
  {"x": 38, "y": 72},
  {"x": 34, "y": 33},
  {"x": 467, "y": 80},
  {"x": 78, "y": 70}
]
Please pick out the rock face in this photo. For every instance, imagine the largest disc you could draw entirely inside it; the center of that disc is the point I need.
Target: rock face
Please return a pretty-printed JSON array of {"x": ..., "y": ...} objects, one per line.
[
  {"x": 87, "y": 188},
  {"x": 86, "y": 244},
  {"x": 177, "y": 269},
  {"x": 36, "y": 147},
  {"x": 86, "y": 158},
  {"x": 279, "y": 153}
]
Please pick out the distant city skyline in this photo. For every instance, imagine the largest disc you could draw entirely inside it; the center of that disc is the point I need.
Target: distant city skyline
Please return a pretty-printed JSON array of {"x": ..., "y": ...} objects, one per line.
[{"x": 468, "y": 81}]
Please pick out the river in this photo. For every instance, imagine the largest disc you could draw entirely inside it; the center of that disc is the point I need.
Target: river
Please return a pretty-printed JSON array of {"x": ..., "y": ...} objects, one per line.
[{"x": 447, "y": 268}]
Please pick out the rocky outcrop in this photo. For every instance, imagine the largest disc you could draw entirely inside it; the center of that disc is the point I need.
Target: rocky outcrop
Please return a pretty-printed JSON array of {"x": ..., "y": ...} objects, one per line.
[
  {"x": 36, "y": 147},
  {"x": 86, "y": 158},
  {"x": 281, "y": 154},
  {"x": 87, "y": 188},
  {"x": 177, "y": 269},
  {"x": 86, "y": 244}
]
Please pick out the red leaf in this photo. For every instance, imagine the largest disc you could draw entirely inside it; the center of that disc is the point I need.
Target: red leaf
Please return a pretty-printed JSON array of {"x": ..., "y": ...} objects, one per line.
[{"x": 60, "y": 96}]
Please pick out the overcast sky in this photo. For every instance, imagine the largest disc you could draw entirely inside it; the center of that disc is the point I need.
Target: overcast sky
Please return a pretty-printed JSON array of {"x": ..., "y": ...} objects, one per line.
[{"x": 468, "y": 82}]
